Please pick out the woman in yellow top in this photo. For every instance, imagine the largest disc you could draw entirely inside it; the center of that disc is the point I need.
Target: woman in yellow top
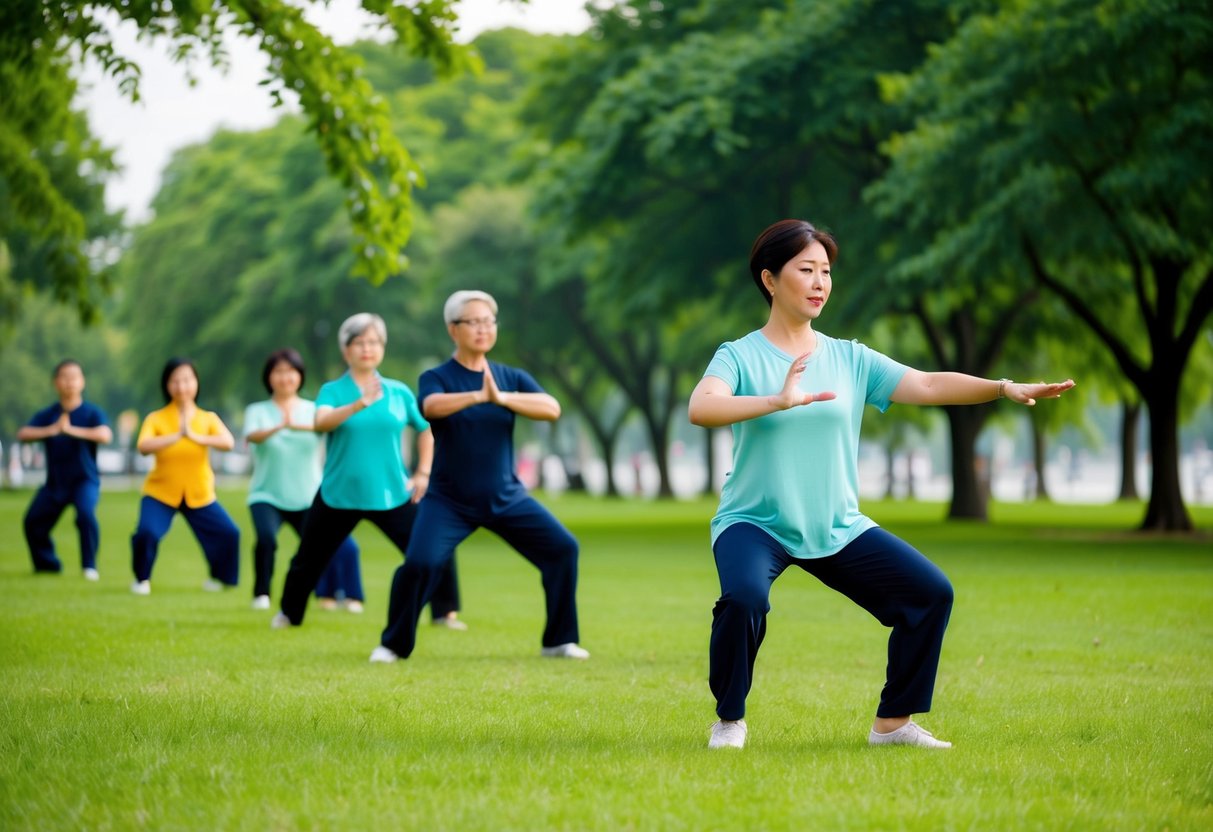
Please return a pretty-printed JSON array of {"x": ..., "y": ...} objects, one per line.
[{"x": 181, "y": 436}]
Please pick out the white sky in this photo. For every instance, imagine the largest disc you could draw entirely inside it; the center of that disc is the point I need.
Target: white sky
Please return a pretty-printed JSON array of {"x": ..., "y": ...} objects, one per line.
[{"x": 172, "y": 114}]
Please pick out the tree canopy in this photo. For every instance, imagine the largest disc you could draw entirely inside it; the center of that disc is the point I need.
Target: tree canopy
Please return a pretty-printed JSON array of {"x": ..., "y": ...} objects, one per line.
[{"x": 41, "y": 41}]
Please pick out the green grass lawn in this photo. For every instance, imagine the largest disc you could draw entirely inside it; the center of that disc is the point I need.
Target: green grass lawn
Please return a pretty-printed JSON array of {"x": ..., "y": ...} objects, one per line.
[{"x": 1076, "y": 684}]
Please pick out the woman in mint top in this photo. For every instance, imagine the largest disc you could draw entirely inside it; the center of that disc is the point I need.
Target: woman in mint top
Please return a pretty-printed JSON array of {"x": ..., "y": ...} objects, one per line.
[
  {"x": 795, "y": 399},
  {"x": 364, "y": 416},
  {"x": 286, "y": 475}
]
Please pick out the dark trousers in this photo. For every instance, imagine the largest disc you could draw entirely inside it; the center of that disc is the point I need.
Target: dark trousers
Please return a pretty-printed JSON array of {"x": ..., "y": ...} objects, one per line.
[
  {"x": 323, "y": 532},
  {"x": 219, "y": 536},
  {"x": 44, "y": 512},
  {"x": 878, "y": 571},
  {"x": 342, "y": 578},
  {"x": 441, "y": 526}
]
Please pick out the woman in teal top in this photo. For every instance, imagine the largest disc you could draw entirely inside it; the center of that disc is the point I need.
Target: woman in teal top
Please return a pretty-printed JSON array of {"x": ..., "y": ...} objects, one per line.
[
  {"x": 795, "y": 398},
  {"x": 364, "y": 416},
  {"x": 286, "y": 476}
]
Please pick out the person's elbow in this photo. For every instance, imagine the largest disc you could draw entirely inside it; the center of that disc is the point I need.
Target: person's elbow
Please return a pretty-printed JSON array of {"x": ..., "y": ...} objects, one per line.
[
  {"x": 698, "y": 412},
  {"x": 105, "y": 437}
]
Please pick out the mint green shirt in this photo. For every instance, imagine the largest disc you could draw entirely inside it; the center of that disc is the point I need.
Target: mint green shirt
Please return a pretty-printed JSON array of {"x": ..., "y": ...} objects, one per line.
[
  {"x": 364, "y": 468},
  {"x": 796, "y": 472},
  {"x": 286, "y": 467}
]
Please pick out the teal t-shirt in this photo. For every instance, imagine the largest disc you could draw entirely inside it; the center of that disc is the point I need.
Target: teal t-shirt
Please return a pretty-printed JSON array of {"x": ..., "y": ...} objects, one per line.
[
  {"x": 364, "y": 468},
  {"x": 796, "y": 472},
  {"x": 286, "y": 467}
]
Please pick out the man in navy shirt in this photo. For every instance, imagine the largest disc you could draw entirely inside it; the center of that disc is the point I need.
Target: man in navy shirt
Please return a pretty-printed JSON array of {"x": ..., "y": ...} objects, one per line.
[
  {"x": 471, "y": 403},
  {"x": 71, "y": 429}
]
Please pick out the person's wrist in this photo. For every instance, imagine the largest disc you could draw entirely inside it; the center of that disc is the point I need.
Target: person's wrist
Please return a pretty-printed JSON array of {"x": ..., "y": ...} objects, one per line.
[{"x": 1002, "y": 387}]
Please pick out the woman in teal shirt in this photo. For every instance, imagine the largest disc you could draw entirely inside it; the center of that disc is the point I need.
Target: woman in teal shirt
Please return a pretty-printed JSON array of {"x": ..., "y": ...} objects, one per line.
[
  {"x": 286, "y": 476},
  {"x": 364, "y": 416},
  {"x": 795, "y": 399}
]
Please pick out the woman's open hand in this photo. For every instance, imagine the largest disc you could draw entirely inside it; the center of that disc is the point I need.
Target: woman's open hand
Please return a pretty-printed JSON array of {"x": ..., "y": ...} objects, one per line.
[{"x": 791, "y": 395}]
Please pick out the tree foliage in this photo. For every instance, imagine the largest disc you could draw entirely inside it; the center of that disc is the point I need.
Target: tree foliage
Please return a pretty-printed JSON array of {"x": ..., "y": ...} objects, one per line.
[
  {"x": 1081, "y": 163},
  {"x": 42, "y": 40}
]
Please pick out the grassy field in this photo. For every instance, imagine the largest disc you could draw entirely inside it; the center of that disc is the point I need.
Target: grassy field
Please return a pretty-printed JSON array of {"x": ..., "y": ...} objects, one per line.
[{"x": 1076, "y": 684}]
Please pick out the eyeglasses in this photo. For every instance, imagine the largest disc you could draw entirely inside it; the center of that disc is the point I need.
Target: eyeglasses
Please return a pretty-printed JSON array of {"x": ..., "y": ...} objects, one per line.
[
  {"x": 477, "y": 323},
  {"x": 365, "y": 342}
]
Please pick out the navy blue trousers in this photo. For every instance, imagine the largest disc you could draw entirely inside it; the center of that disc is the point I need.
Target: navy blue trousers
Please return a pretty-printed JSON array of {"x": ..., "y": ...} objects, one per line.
[
  {"x": 525, "y": 525},
  {"x": 44, "y": 512},
  {"x": 323, "y": 532},
  {"x": 219, "y": 536},
  {"x": 342, "y": 578},
  {"x": 878, "y": 571}
]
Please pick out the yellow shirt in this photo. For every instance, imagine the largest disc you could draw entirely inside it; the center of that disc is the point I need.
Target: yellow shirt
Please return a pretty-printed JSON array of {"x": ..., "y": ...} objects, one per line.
[{"x": 182, "y": 470}]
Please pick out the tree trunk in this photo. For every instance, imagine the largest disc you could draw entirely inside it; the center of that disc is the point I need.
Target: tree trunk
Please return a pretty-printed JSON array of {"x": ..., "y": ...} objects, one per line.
[
  {"x": 970, "y": 487},
  {"x": 709, "y": 462},
  {"x": 890, "y": 459},
  {"x": 658, "y": 428},
  {"x": 1130, "y": 424},
  {"x": 1166, "y": 510},
  {"x": 1039, "y": 444}
]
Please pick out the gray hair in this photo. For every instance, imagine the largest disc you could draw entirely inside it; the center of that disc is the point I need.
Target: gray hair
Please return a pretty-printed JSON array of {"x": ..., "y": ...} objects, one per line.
[
  {"x": 355, "y": 325},
  {"x": 455, "y": 303}
]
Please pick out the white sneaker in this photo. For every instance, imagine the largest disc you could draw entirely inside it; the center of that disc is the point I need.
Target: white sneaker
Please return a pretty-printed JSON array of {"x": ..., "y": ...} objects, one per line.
[
  {"x": 728, "y": 734},
  {"x": 909, "y": 734},
  {"x": 279, "y": 621},
  {"x": 450, "y": 623},
  {"x": 383, "y": 655},
  {"x": 354, "y": 606},
  {"x": 92, "y": 575},
  {"x": 211, "y": 585},
  {"x": 142, "y": 587},
  {"x": 261, "y": 602},
  {"x": 565, "y": 651}
]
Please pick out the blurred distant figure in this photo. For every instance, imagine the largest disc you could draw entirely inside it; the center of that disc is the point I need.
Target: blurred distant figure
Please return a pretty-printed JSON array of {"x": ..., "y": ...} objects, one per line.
[
  {"x": 364, "y": 415},
  {"x": 71, "y": 429},
  {"x": 180, "y": 435},
  {"x": 286, "y": 475}
]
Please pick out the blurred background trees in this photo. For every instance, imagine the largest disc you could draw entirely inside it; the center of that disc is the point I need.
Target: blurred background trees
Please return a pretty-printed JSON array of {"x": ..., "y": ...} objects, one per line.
[{"x": 1019, "y": 189}]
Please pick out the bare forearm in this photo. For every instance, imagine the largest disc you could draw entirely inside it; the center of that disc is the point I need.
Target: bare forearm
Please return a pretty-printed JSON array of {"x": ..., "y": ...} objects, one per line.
[
  {"x": 330, "y": 418},
  {"x": 945, "y": 388},
  {"x": 155, "y": 444},
  {"x": 259, "y": 436},
  {"x": 538, "y": 406},
  {"x": 441, "y": 405},
  {"x": 425, "y": 452},
  {"x": 33, "y": 434},
  {"x": 100, "y": 434},
  {"x": 218, "y": 441},
  {"x": 709, "y": 410}
]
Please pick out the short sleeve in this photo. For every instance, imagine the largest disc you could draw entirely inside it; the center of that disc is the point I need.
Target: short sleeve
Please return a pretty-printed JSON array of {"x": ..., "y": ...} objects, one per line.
[
  {"x": 255, "y": 419},
  {"x": 94, "y": 417},
  {"x": 883, "y": 376},
  {"x": 214, "y": 425},
  {"x": 327, "y": 397},
  {"x": 429, "y": 384},
  {"x": 724, "y": 366},
  {"x": 413, "y": 413},
  {"x": 148, "y": 429},
  {"x": 44, "y": 418},
  {"x": 523, "y": 382}
]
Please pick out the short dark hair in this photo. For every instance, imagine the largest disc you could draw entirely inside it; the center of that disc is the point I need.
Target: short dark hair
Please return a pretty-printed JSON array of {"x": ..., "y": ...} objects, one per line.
[
  {"x": 779, "y": 243},
  {"x": 67, "y": 362},
  {"x": 290, "y": 356},
  {"x": 171, "y": 366}
]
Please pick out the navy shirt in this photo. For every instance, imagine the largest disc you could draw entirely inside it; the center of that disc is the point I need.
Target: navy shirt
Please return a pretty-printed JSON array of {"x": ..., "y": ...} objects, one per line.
[
  {"x": 474, "y": 448},
  {"x": 69, "y": 460}
]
